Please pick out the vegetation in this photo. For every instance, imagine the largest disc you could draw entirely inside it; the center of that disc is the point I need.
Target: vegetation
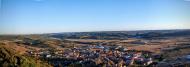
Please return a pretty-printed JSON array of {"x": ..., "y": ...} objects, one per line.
[
  {"x": 167, "y": 46},
  {"x": 8, "y": 58}
]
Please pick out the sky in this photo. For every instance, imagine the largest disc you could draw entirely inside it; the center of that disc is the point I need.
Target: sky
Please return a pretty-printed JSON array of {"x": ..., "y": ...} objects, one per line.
[{"x": 52, "y": 16}]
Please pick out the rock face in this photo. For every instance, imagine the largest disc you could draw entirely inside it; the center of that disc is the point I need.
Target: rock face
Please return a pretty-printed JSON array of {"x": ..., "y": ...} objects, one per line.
[{"x": 8, "y": 58}]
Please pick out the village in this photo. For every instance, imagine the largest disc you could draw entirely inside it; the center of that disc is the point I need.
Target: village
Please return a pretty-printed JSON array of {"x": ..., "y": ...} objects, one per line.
[
  {"x": 109, "y": 53},
  {"x": 131, "y": 52},
  {"x": 95, "y": 55}
]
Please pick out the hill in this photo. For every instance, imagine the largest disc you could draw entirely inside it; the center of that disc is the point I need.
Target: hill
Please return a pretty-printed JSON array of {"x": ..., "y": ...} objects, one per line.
[{"x": 9, "y": 58}]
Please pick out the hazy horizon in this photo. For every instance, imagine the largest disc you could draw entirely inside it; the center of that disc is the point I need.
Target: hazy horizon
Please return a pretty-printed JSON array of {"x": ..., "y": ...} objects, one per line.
[{"x": 53, "y": 16}]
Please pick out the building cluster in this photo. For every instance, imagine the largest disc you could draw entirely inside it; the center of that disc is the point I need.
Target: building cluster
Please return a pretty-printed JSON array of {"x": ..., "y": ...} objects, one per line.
[{"x": 98, "y": 55}]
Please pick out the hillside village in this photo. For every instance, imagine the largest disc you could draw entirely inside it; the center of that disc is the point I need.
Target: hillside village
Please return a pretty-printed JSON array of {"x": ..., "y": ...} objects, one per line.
[
  {"x": 134, "y": 51},
  {"x": 100, "y": 55}
]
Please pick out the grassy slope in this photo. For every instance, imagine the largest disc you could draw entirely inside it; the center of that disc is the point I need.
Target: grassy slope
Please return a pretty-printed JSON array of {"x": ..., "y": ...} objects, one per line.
[{"x": 8, "y": 58}]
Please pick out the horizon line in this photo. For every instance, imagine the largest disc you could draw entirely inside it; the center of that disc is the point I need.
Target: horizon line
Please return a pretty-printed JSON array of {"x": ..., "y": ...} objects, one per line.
[{"x": 90, "y": 31}]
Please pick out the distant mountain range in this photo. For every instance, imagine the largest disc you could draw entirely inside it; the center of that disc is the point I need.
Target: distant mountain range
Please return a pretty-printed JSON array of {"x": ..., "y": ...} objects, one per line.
[{"x": 121, "y": 34}]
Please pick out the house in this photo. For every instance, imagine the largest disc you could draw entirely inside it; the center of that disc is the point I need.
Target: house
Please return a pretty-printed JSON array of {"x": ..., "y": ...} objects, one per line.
[{"x": 96, "y": 49}]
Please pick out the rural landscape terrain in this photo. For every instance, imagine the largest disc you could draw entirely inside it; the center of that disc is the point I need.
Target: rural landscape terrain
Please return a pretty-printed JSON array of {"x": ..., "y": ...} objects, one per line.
[
  {"x": 94, "y": 33},
  {"x": 144, "y": 48}
]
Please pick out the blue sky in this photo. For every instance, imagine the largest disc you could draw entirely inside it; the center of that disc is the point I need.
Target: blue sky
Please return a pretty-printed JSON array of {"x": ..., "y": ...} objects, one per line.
[{"x": 49, "y": 16}]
